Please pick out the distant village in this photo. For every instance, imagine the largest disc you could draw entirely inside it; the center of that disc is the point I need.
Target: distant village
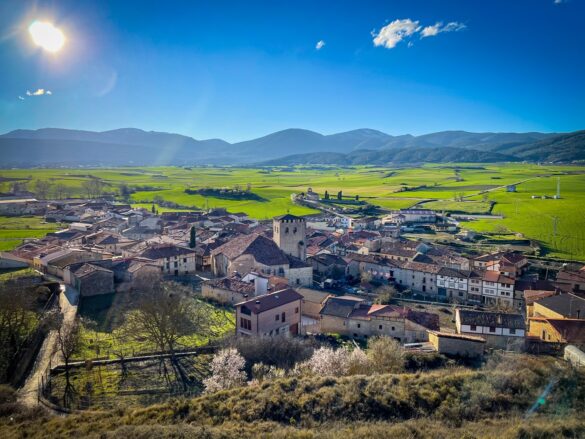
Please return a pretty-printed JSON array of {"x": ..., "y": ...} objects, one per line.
[{"x": 322, "y": 274}]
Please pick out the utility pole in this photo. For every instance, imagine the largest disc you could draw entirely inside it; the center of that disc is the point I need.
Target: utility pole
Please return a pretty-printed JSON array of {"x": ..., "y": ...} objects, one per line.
[{"x": 555, "y": 224}]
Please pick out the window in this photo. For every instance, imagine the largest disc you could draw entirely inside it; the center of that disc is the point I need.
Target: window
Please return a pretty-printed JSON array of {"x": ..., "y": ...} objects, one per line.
[
  {"x": 276, "y": 317},
  {"x": 245, "y": 323},
  {"x": 473, "y": 327},
  {"x": 393, "y": 328},
  {"x": 492, "y": 329},
  {"x": 176, "y": 264},
  {"x": 283, "y": 317},
  {"x": 184, "y": 260},
  {"x": 298, "y": 281},
  {"x": 295, "y": 230},
  {"x": 297, "y": 310},
  {"x": 380, "y": 327},
  {"x": 512, "y": 331},
  {"x": 286, "y": 230}
]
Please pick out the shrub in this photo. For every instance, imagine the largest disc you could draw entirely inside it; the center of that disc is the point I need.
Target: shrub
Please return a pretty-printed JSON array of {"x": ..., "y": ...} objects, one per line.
[{"x": 385, "y": 355}]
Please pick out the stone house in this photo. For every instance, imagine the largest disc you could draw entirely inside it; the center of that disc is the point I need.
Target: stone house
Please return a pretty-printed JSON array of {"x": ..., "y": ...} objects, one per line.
[
  {"x": 420, "y": 278},
  {"x": 172, "y": 260},
  {"x": 313, "y": 301},
  {"x": 457, "y": 345},
  {"x": 234, "y": 289},
  {"x": 354, "y": 318},
  {"x": 258, "y": 253},
  {"x": 92, "y": 280}
]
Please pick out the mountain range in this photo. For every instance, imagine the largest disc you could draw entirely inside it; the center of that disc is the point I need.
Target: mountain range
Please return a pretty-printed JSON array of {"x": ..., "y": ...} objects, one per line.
[{"x": 131, "y": 146}]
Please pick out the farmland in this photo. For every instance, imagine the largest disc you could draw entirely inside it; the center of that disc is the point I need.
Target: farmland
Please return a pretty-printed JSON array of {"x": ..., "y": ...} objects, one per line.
[
  {"x": 14, "y": 230},
  {"x": 558, "y": 224}
]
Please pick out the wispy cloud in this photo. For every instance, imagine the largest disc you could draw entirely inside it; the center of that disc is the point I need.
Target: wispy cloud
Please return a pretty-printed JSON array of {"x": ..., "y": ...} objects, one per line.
[
  {"x": 320, "y": 44},
  {"x": 437, "y": 28},
  {"x": 21, "y": 98},
  {"x": 39, "y": 92},
  {"x": 405, "y": 29},
  {"x": 393, "y": 33},
  {"x": 558, "y": 2}
]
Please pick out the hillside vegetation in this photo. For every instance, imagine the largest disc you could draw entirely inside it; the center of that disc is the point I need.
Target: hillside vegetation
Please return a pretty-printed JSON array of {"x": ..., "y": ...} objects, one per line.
[{"x": 497, "y": 400}]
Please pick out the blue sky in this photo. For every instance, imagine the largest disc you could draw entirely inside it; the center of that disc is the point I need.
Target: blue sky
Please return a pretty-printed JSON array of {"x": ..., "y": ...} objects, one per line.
[{"x": 241, "y": 69}]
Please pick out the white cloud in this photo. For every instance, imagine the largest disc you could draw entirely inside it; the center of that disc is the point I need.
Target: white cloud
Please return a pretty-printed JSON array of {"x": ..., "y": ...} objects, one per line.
[
  {"x": 558, "y": 2},
  {"x": 38, "y": 92},
  {"x": 320, "y": 44},
  {"x": 393, "y": 33},
  {"x": 21, "y": 98},
  {"x": 402, "y": 30},
  {"x": 431, "y": 31},
  {"x": 437, "y": 28}
]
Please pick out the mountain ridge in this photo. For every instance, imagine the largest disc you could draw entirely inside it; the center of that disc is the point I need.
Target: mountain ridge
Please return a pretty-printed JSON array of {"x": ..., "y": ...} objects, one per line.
[{"x": 133, "y": 146}]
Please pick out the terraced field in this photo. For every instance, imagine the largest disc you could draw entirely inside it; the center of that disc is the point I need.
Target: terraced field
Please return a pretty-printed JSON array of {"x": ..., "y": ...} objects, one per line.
[{"x": 442, "y": 186}]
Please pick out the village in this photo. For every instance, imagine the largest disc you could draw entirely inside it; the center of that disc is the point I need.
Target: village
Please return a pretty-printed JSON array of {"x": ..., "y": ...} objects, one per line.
[{"x": 311, "y": 276}]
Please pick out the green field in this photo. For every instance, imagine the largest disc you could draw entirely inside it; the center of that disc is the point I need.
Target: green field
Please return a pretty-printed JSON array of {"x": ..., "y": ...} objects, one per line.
[
  {"x": 437, "y": 186},
  {"x": 14, "y": 230}
]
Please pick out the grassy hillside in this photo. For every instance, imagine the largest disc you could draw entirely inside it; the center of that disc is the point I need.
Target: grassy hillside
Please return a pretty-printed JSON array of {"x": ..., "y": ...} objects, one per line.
[{"x": 497, "y": 400}]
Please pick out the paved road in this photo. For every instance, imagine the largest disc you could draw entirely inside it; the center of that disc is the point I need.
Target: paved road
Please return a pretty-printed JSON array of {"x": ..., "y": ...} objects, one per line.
[{"x": 48, "y": 354}]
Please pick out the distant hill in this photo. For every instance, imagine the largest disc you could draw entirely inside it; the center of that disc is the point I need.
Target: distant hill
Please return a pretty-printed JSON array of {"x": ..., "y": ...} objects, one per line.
[
  {"x": 393, "y": 156},
  {"x": 130, "y": 146}
]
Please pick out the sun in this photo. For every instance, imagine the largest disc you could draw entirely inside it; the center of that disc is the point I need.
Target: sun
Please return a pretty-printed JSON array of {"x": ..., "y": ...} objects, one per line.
[{"x": 47, "y": 36}]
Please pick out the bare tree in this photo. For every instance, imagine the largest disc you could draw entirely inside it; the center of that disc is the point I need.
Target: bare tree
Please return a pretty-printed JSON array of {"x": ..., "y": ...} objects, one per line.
[
  {"x": 60, "y": 191},
  {"x": 16, "y": 313},
  {"x": 385, "y": 294},
  {"x": 93, "y": 187},
  {"x": 42, "y": 188},
  {"x": 68, "y": 344},
  {"x": 165, "y": 312}
]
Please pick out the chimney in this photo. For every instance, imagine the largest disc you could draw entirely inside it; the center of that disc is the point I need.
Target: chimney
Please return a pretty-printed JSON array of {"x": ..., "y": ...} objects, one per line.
[{"x": 260, "y": 286}]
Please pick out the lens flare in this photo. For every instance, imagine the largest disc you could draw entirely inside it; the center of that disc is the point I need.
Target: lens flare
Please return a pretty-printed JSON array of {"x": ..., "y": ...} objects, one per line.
[{"x": 46, "y": 36}]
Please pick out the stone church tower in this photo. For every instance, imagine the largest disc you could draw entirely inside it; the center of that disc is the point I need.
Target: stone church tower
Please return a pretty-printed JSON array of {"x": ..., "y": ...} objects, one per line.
[{"x": 290, "y": 234}]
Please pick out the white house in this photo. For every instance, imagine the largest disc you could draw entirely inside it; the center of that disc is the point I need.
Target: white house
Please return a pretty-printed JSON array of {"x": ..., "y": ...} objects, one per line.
[
  {"x": 453, "y": 284},
  {"x": 497, "y": 289},
  {"x": 500, "y": 330}
]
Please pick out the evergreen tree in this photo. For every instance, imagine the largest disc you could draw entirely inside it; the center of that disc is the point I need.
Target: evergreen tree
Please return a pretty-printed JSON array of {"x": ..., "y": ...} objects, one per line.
[
  {"x": 192, "y": 237},
  {"x": 339, "y": 195},
  {"x": 153, "y": 209},
  {"x": 326, "y": 195}
]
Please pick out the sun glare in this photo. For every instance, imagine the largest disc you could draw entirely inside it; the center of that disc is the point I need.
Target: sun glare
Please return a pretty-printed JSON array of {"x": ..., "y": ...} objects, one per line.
[{"x": 46, "y": 36}]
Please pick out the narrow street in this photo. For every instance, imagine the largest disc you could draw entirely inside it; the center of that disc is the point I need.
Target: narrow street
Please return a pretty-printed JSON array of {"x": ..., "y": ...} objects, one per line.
[{"x": 49, "y": 354}]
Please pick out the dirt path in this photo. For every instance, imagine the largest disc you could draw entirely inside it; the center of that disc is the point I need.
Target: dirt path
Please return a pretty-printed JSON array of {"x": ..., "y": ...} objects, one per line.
[{"x": 48, "y": 354}]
